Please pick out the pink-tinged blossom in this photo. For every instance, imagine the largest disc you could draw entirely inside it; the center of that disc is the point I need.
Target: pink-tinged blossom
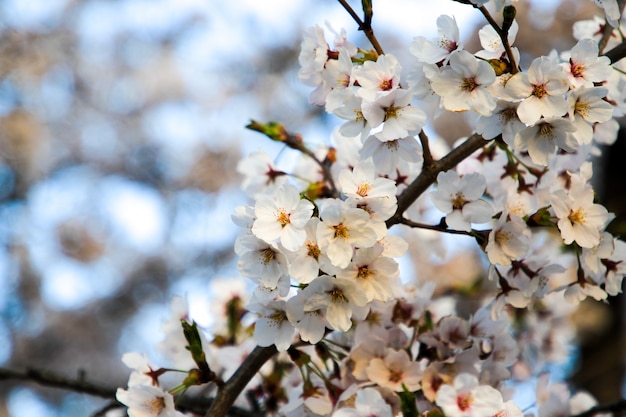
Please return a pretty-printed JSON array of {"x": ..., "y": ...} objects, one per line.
[
  {"x": 142, "y": 374},
  {"x": 395, "y": 112},
  {"x": 459, "y": 198},
  {"x": 395, "y": 371},
  {"x": 438, "y": 50},
  {"x": 580, "y": 219},
  {"x": 260, "y": 174},
  {"x": 378, "y": 77},
  {"x": 463, "y": 84},
  {"x": 282, "y": 217},
  {"x": 368, "y": 403},
  {"x": 542, "y": 139},
  {"x": 542, "y": 89},
  {"x": 466, "y": 398},
  {"x": 585, "y": 67},
  {"x": 339, "y": 299},
  {"x": 147, "y": 401},
  {"x": 342, "y": 229}
]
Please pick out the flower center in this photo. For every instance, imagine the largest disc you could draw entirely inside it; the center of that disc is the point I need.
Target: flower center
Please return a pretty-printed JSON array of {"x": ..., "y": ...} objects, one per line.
[
  {"x": 313, "y": 250},
  {"x": 469, "y": 84},
  {"x": 267, "y": 255},
  {"x": 546, "y": 131},
  {"x": 337, "y": 296},
  {"x": 458, "y": 201},
  {"x": 577, "y": 216},
  {"x": 577, "y": 69},
  {"x": 508, "y": 114},
  {"x": 282, "y": 217},
  {"x": 582, "y": 108},
  {"x": 464, "y": 401},
  {"x": 341, "y": 231},
  {"x": 502, "y": 238},
  {"x": 385, "y": 85},
  {"x": 391, "y": 112},
  {"x": 363, "y": 189},
  {"x": 155, "y": 405},
  {"x": 539, "y": 90},
  {"x": 364, "y": 272},
  {"x": 392, "y": 145},
  {"x": 395, "y": 376}
]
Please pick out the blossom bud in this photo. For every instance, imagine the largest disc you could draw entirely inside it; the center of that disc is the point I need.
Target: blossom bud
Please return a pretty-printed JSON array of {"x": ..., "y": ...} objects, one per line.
[{"x": 508, "y": 13}]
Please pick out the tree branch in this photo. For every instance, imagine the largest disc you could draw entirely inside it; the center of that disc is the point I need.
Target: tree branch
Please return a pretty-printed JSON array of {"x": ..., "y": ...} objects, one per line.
[
  {"x": 618, "y": 408},
  {"x": 49, "y": 379},
  {"x": 366, "y": 27},
  {"x": 228, "y": 393},
  {"x": 617, "y": 53},
  {"x": 429, "y": 175}
]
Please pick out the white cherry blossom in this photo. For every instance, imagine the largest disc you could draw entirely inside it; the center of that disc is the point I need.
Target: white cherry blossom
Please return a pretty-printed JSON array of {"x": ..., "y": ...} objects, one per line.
[
  {"x": 541, "y": 88},
  {"x": 282, "y": 217},
  {"x": 459, "y": 198},
  {"x": 448, "y": 41},
  {"x": 463, "y": 84},
  {"x": 580, "y": 219},
  {"x": 343, "y": 227}
]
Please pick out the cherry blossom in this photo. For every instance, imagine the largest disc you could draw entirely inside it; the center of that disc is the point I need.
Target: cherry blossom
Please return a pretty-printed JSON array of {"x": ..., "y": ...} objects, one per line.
[
  {"x": 343, "y": 228},
  {"x": 282, "y": 216},
  {"x": 395, "y": 371},
  {"x": 439, "y": 50},
  {"x": 580, "y": 219},
  {"x": 542, "y": 89},
  {"x": 463, "y": 84},
  {"x": 459, "y": 198},
  {"x": 147, "y": 401},
  {"x": 466, "y": 398}
]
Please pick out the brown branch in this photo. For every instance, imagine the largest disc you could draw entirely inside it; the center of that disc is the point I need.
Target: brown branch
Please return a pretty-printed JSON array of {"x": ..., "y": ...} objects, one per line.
[
  {"x": 49, "y": 379},
  {"x": 366, "y": 27},
  {"x": 618, "y": 408},
  {"x": 429, "y": 174},
  {"x": 79, "y": 385},
  {"x": 617, "y": 53},
  {"x": 504, "y": 37},
  {"x": 228, "y": 393}
]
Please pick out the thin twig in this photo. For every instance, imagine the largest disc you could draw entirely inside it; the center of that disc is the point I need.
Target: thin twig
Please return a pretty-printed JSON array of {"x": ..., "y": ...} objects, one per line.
[
  {"x": 365, "y": 27},
  {"x": 504, "y": 37},
  {"x": 436, "y": 227}
]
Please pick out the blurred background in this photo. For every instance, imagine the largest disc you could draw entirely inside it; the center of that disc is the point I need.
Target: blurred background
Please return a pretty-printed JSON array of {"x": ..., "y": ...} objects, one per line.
[{"x": 121, "y": 124}]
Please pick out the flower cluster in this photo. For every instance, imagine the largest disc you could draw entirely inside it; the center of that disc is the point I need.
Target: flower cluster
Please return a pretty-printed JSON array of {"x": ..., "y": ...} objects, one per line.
[{"x": 318, "y": 246}]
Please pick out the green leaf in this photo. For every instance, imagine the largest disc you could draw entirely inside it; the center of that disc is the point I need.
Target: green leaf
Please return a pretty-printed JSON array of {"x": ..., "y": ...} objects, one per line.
[
  {"x": 194, "y": 344},
  {"x": 407, "y": 403}
]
